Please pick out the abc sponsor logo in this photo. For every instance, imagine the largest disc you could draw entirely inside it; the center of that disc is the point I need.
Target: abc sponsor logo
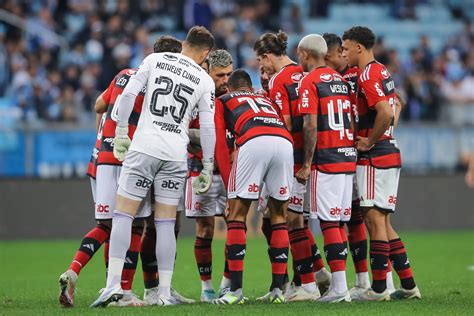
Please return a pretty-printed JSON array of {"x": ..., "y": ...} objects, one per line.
[
  {"x": 101, "y": 208},
  {"x": 143, "y": 183},
  {"x": 392, "y": 199},
  {"x": 294, "y": 200},
  {"x": 336, "y": 211},
  {"x": 283, "y": 190},
  {"x": 254, "y": 188},
  {"x": 170, "y": 185}
]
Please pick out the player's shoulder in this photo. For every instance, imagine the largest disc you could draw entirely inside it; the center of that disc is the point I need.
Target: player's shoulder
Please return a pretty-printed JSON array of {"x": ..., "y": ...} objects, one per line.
[
  {"x": 374, "y": 71},
  {"x": 291, "y": 73},
  {"x": 350, "y": 72}
]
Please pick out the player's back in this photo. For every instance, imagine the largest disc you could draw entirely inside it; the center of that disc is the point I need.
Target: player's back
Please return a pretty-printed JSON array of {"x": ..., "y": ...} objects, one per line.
[
  {"x": 248, "y": 115},
  {"x": 175, "y": 86}
]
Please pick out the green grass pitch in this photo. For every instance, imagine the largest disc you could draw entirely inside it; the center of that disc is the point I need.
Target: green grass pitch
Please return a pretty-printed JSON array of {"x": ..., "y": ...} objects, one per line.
[{"x": 443, "y": 264}]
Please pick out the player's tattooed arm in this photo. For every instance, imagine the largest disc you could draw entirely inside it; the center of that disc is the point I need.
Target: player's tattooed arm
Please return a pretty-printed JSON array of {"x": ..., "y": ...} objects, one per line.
[{"x": 309, "y": 137}]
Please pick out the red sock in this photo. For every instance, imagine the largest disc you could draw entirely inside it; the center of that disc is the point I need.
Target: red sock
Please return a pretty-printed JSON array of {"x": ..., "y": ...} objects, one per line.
[
  {"x": 336, "y": 252},
  {"x": 318, "y": 262},
  {"x": 89, "y": 246},
  {"x": 235, "y": 247},
  {"x": 301, "y": 253},
  {"x": 106, "y": 253},
  {"x": 203, "y": 255},
  {"x": 131, "y": 259},
  {"x": 379, "y": 251},
  {"x": 401, "y": 264},
  {"x": 278, "y": 252},
  {"x": 148, "y": 258},
  {"x": 358, "y": 239}
]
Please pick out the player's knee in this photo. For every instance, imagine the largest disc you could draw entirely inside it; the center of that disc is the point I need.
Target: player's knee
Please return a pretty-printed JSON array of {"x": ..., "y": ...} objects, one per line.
[
  {"x": 294, "y": 220},
  {"x": 205, "y": 227}
]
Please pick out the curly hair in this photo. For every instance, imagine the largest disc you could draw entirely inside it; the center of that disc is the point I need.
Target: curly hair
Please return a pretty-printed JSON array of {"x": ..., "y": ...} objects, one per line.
[
  {"x": 332, "y": 40},
  {"x": 219, "y": 58},
  {"x": 360, "y": 34}
]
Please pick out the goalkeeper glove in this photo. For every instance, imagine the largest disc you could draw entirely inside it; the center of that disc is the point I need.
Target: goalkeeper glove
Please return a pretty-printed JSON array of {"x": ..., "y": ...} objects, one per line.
[
  {"x": 203, "y": 182},
  {"x": 121, "y": 142}
]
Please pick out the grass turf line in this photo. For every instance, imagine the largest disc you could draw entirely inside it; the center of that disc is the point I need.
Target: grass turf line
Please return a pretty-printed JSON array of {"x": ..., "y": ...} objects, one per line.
[{"x": 29, "y": 271}]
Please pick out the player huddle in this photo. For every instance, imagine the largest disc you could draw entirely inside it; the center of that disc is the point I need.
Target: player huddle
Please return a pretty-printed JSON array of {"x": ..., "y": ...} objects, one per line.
[{"x": 185, "y": 131}]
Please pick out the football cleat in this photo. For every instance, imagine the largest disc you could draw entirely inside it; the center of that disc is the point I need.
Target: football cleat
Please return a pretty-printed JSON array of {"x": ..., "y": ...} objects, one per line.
[
  {"x": 67, "y": 286},
  {"x": 223, "y": 291},
  {"x": 371, "y": 295},
  {"x": 167, "y": 301},
  {"x": 276, "y": 296},
  {"x": 403, "y": 294},
  {"x": 151, "y": 296},
  {"x": 301, "y": 294},
  {"x": 323, "y": 280},
  {"x": 357, "y": 291},
  {"x": 180, "y": 298},
  {"x": 108, "y": 296},
  {"x": 230, "y": 298},
  {"x": 130, "y": 300},
  {"x": 333, "y": 297},
  {"x": 208, "y": 296}
]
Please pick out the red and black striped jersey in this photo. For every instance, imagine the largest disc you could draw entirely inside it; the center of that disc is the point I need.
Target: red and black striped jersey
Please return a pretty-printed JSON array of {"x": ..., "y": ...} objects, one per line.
[
  {"x": 246, "y": 115},
  {"x": 195, "y": 159},
  {"x": 351, "y": 75},
  {"x": 375, "y": 85},
  {"x": 325, "y": 93},
  {"x": 111, "y": 95},
  {"x": 283, "y": 90}
]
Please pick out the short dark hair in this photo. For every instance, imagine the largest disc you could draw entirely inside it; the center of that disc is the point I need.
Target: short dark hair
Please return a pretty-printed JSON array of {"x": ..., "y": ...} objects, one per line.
[
  {"x": 238, "y": 79},
  {"x": 199, "y": 36},
  {"x": 332, "y": 40},
  {"x": 270, "y": 43},
  {"x": 360, "y": 34},
  {"x": 167, "y": 44}
]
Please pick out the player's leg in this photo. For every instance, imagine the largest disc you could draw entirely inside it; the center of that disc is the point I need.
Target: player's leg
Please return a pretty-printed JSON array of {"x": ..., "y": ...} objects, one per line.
[
  {"x": 244, "y": 187},
  {"x": 148, "y": 258},
  {"x": 168, "y": 183},
  {"x": 331, "y": 191},
  {"x": 321, "y": 275},
  {"x": 133, "y": 185},
  {"x": 203, "y": 255},
  {"x": 278, "y": 181},
  {"x": 357, "y": 236},
  {"x": 369, "y": 186},
  {"x": 104, "y": 203}
]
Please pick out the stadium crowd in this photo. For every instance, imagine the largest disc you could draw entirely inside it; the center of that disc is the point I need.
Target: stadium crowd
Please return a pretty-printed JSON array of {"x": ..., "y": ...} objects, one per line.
[{"x": 57, "y": 78}]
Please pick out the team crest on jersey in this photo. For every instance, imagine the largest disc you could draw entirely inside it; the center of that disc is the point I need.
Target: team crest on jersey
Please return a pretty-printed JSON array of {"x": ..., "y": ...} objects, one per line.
[
  {"x": 170, "y": 57},
  {"x": 296, "y": 77},
  {"x": 385, "y": 73},
  {"x": 131, "y": 72},
  {"x": 326, "y": 77}
]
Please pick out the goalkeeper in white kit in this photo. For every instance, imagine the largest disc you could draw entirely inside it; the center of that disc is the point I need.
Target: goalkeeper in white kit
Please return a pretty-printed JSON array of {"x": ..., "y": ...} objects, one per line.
[{"x": 175, "y": 85}]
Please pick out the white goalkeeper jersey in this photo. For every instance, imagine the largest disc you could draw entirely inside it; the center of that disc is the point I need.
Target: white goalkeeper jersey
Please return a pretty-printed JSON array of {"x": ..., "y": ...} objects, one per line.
[{"x": 175, "y": 86}]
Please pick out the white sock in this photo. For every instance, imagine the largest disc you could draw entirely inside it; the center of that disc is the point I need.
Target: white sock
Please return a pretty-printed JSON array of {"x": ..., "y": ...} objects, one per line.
[
  {"x": 362, "y": 279},
  {"x": 165, "y": 282},
  {"x": 165, "y": 252},
  {"x": 225, "y": 282},
  {"x": 309, "y": 287},
  {"x": 390, "y": 285},
  {"x": 207, "y": 285},
  {"x": 120, "y": 238},
  {"x": 339, "y": 283}
]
